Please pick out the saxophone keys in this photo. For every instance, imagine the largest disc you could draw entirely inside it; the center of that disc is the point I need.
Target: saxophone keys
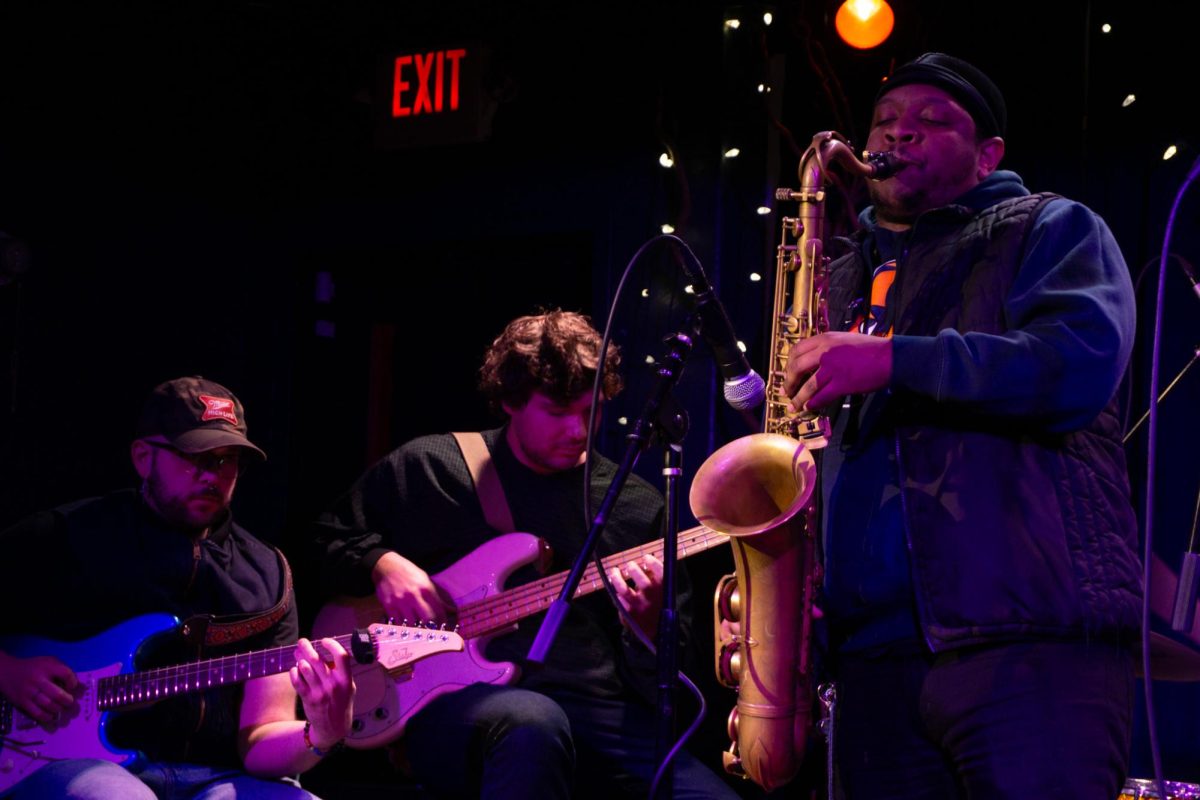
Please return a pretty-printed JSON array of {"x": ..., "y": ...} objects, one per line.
[{"x": 729, "y": 663}]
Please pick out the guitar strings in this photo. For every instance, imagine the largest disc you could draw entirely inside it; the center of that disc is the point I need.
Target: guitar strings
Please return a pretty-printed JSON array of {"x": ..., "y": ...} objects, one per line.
[
  {"x": 117, "y": 690},
  {"x": 478, "y": 618}
]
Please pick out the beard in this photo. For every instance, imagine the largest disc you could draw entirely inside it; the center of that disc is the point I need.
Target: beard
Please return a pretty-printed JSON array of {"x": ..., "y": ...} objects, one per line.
[
  {"x": 919, "y": 188},
  {"x": 177, "y": 510},
  {"x": 898, "y": 204}
]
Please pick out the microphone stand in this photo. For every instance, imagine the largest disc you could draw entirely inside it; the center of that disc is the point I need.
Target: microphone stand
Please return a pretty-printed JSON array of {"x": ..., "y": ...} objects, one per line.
[
  {"x": 668, "y": 622},
  {"x": 663, "y": 418}
]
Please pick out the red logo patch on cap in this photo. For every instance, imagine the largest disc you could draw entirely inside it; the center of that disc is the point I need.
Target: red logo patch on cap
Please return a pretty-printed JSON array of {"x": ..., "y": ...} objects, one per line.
[{"x": 218, "y": 408}]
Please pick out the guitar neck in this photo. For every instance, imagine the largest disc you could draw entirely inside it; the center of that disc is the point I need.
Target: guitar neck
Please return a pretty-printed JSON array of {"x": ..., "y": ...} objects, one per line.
[
  {"x": 502, "y": 610},
  {"x": 135, "y": 688}
]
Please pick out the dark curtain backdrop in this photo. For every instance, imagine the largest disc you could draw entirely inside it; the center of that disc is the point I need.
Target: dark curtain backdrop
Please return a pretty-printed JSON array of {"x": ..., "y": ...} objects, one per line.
[{"x": 203, "y": 191}]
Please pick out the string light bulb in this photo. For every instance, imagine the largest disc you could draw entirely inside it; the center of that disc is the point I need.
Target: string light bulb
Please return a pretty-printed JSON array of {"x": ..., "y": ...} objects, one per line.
[
  {"x": 1170, "y": 152},
  {"x": 732, "y": 152},
  {"x": 864, "y": 24},
  {"x": 668, "y": 228},
  {"x": 1128, "y": 101},
  {"x": 666, "y": 160}
]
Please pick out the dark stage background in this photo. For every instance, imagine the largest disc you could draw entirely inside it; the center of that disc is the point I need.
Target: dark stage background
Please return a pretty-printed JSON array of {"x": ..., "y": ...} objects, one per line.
[{"x": 210, "y": 189}]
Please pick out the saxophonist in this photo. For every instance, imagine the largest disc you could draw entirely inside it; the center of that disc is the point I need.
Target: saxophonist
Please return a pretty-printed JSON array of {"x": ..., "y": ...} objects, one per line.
[{"x": 982, "y": 585}]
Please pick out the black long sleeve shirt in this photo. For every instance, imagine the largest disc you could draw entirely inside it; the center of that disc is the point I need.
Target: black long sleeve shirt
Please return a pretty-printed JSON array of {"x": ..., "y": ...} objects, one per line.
[{"x": 420, "y": 502}]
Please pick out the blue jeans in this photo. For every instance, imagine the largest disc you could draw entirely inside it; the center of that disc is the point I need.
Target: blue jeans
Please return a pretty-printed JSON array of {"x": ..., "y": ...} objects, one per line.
[
  {"x": 1021, "y": 720},
  {"x": 503, "y": 742},
  {"x": 88, "y": 779}
]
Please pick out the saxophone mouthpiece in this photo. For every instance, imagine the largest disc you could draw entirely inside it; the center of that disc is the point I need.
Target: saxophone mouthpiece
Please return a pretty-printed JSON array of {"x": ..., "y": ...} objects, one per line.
[{"x": 884, "y": 164}]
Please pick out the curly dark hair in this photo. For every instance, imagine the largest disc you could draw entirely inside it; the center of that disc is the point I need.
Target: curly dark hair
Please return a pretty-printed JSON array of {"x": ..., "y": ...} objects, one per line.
[{"x": 555, "y": 353}]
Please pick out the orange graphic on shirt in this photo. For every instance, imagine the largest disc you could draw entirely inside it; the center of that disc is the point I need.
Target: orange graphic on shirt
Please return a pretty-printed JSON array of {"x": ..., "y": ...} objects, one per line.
[{"x": 872, "y": 323}]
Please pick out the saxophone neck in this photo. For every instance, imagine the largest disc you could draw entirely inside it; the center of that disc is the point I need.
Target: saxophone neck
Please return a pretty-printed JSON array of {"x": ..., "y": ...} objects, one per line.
[{"x": 829, "y": 147}]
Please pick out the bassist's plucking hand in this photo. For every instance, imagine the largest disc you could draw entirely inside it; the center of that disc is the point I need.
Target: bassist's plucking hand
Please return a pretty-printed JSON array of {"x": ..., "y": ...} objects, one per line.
[{"x": 407, "y": 593}]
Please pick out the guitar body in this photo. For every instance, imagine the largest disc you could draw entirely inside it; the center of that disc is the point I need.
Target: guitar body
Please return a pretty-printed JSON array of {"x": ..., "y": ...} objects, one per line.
[
  {"x": 384, "y": 702},
  {"x": 105, "y": 665},
  {"x": 25, "y": 745}
]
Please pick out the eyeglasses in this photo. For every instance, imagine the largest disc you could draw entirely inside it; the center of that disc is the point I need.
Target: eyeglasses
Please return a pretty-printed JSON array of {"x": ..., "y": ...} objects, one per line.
[{"x": 226, "y": 466}]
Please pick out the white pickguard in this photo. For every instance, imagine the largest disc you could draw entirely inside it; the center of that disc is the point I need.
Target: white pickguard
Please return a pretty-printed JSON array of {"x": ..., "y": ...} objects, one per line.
[{"x": 77, "y": 734}]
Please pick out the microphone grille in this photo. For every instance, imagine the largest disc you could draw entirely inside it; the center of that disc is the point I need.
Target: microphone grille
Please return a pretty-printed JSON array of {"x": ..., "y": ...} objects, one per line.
[{"x": 746, "y": 392}]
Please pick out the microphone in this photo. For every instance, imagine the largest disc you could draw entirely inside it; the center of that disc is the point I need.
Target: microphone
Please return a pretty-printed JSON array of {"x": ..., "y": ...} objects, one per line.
[{"x": 744, "y": 388}]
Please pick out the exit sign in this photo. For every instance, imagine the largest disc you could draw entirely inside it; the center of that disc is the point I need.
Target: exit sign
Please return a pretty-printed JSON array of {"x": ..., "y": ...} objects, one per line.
[{"x": 432, "y": 96}]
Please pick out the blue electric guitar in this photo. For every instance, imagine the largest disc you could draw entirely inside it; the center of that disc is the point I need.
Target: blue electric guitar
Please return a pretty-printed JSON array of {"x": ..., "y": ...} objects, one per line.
[{"x": 104, "y": 666}]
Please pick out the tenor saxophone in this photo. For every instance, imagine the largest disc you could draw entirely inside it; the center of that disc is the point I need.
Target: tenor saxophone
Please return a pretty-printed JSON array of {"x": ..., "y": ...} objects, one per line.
[{"x": 759, "y": 490}]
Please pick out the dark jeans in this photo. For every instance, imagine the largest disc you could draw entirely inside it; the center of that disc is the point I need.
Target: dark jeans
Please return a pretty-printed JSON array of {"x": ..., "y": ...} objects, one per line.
[
  {"x": 1031, "y": 719},
  {"x": 503, "y": 742},
  {"x": 88, "y": 779}
]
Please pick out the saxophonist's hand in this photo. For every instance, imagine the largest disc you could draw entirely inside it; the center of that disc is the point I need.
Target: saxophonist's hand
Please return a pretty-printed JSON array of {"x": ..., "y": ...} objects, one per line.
[{"x": 831, "y": 365}]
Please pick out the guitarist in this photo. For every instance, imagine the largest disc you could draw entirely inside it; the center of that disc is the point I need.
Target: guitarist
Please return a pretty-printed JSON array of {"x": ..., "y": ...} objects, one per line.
[
  {"x": 577, "y": 725},
  {"x": 171, "y": 547}
]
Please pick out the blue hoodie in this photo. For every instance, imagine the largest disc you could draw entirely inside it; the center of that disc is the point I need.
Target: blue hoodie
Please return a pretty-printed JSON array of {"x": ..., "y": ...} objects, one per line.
[{"x": 1070, "y": 323}]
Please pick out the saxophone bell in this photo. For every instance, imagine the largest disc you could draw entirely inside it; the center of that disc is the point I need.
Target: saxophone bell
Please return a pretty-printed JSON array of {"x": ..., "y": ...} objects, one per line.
[{"x": 760, "y": 490}]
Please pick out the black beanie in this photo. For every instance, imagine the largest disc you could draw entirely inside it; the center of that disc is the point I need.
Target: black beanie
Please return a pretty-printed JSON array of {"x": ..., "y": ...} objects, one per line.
[{"x": 974, "y": 91}]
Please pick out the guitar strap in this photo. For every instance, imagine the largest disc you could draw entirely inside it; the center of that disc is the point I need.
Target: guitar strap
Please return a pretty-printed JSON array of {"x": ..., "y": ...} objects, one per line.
[
  {"x": 206, "y": 630},
  {"x": 496, "y": 513},
  {"x": 487, "y": 482}
]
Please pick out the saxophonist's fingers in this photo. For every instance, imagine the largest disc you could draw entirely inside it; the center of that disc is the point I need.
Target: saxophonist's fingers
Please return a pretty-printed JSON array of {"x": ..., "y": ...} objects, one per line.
[{"x": 803, "y": 359}]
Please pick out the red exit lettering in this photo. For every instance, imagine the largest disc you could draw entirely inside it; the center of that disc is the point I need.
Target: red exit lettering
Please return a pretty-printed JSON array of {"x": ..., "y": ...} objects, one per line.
[{"x": 436, "y": 75}]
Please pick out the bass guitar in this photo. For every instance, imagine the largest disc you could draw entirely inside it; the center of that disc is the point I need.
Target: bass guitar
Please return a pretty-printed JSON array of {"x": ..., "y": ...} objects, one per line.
[
  {"x": 384, "y": 702},
  {"x": 104, "y": 666}
]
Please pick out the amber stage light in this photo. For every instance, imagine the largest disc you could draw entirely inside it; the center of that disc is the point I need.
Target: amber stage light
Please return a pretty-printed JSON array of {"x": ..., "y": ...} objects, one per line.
[{"x": 864, "y": 23}]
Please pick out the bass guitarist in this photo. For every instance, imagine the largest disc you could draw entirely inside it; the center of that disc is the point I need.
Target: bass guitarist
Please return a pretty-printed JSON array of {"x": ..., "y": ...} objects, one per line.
[
  {"x": 577, "y": 726},
  {"x": 171, "y": 548}
]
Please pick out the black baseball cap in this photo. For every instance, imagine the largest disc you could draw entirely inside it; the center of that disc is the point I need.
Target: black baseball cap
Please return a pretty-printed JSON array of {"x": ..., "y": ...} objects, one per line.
[
  {"x": 966, "y": 83},
  {"x": 194, "y": 415}
]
